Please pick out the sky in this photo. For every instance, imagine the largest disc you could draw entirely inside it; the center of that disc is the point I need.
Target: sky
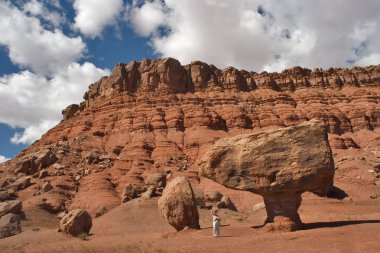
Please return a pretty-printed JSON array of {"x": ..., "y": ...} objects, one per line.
[{"x": 52, "y": 50}]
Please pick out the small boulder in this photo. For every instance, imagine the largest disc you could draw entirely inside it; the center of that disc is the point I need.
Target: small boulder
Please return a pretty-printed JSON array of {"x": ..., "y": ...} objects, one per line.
[
  {"x": 227, "y": 203},
  {"x": 62, "y": 214},
  {"x": 69, "y": 111},
  {"x": 11, "y": 206},
  {"x": 93, "y": 157},
  {"x": 178, "y": 206},
  {"x": 3, "y": 195},
  {"x": 157, "y": 180},
  {"x": 101, "y": 211},
  {"x": 22, "y": 183},
  {"x": 76, "y": 222},
  {"x": 213, "y": 196},
  {"x": 129, "y": 193},
  {"x": 4, "y": 183},
  {"x": 149, "y": 193},
  {"x": 10, "y": 225},
  {"x": 42, "y": 174},
  {"x": 46, "y": 187},
  {"x": 282, "y": 224}
]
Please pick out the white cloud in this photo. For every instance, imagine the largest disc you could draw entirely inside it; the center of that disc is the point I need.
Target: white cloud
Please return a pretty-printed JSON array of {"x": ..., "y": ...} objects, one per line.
[
  {"x": 373, "y": 59},
  {"x": 52, "y": 79},
  {"x": 32, "y": 46},
  {"x": 35, "y": 102},
  {"x": 258, "y": 35},
  {"x": 146, "y": 19},
  {"x": 3, "y": 159},
  {"x": 92, "y": 16},
  {"x": 39, "y": 9}
]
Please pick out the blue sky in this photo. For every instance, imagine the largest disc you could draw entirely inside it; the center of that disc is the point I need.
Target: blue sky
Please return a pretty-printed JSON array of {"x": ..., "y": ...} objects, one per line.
[{"x": 51, "y": 50}]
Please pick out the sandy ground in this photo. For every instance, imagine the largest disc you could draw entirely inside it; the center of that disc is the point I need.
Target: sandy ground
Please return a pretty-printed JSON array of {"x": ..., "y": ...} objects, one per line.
[{"x": 331, "y": 225}]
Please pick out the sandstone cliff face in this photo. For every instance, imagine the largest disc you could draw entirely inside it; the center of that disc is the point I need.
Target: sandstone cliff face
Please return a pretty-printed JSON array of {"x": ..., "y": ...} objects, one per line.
[{"x": 157, "y": 115}]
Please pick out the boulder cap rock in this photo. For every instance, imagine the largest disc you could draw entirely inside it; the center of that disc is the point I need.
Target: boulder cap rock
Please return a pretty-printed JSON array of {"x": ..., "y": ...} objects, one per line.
[{"x": 295, "y": 159}]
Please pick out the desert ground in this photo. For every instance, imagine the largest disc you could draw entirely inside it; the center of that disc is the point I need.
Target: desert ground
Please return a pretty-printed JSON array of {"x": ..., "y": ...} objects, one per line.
[{"x": 347, "y": 221}]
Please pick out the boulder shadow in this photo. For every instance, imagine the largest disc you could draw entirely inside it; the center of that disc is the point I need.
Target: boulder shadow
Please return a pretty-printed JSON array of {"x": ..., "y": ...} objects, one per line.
[
  {"x": 334, "y": 224},
  {"x": 337, "y": 193}
]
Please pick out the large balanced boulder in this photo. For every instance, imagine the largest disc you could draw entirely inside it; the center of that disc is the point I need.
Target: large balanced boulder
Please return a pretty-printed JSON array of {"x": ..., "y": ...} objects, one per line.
[
  {"x": 76, "y": 222},
  {"x": 10, "y": 225},
  {"x": 278, "y": 164},
  {"x": 178, "y": 206}
]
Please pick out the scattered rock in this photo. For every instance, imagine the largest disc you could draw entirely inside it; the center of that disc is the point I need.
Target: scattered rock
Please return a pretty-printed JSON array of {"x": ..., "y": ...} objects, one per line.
[
  {"x": 149, "y": 193},
  {"x": 4, "y": 182},
  {"x": 11, "y": 206},
  {"x": 157, "y": 180},
  {"x": 213, "y": 196},
  {"x": 31, "y": 163},
  {"x": 227, "y": 203},
  {"x": 178, "y": 206},
  {"x": 22, "y": 183},
  {"x": 46, "y": 187},
  {"x": 101, "y": 211},
  {"x": 129, "y": 193},
  {"x": 43, "y": 174},
  {"x": 282, "y": 224},
  {"x": 4, "y": 195},
  {"x": 62, "y": 214},
  {"x": 93, "y": 157},
  {"x": 70, "y": 111},
  {"x": 376, "y": 168},
  {"x": 76, "y": 222},
  {"x": 10, "y": 225}
]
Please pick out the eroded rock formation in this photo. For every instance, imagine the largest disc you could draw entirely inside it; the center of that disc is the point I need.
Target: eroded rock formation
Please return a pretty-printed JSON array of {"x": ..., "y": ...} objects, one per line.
[
  {"x": 278, "y": 164},
  {"x": 157, "y": 116}
]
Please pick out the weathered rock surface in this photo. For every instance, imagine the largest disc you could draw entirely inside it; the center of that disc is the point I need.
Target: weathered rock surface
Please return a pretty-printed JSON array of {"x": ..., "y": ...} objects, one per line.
[
  {"x": 10, "y": 225},
  {"x": 76, "y": 222},
  {"x": 278, "y": 164},
  {"x": 22, "y": 183},
  {"x": 178, "y": 206},
  {"x": 11, "y": 206}
]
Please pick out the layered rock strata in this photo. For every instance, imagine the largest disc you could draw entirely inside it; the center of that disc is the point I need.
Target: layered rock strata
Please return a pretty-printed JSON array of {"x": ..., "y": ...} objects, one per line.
[{"x": 159, "y": 116}]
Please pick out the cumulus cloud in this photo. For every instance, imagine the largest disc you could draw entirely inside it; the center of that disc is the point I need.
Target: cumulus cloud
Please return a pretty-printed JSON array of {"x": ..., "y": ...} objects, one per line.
[
  {"x": 37, "y": 8},
  {"x": 51, "y": 78},
  {"x": 261, "y": 35},
  {"x": 146, "y": 18},
  {"x": 92, "y": 16},
  {"x": 30, "y": 45},
  {"x": 36, "y": 101},
  {"x": 3, "y": 159}
]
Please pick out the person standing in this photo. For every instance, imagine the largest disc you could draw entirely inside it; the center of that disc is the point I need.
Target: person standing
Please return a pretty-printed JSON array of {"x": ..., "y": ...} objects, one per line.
[{"x": 215, "y": 222}]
